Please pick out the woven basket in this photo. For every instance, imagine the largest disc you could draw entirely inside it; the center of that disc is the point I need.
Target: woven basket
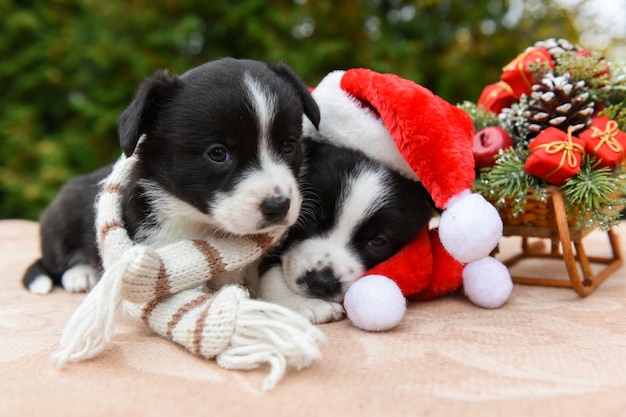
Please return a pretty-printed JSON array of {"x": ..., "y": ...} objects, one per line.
[{"x": 536, "y": 212}]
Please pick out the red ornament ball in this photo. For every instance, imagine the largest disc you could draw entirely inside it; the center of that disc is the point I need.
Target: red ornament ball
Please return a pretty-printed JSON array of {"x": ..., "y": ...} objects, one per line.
[{"x": 487, "y": 144}]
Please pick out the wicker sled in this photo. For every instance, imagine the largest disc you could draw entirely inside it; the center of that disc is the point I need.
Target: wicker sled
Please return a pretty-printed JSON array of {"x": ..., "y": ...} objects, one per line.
[{"x": 548, "y": 220}]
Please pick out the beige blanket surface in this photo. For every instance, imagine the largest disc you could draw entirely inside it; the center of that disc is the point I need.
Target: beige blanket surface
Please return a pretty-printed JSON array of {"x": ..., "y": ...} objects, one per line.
[{"x": 547, "y": 352}]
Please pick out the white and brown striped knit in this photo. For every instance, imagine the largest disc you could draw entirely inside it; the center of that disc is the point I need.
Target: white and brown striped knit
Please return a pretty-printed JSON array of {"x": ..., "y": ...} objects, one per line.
[{"x": 162, "y": 287}]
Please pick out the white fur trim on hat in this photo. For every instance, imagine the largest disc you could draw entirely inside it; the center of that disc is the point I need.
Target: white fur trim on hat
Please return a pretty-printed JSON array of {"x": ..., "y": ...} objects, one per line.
[{"x": 345, "y": 122}]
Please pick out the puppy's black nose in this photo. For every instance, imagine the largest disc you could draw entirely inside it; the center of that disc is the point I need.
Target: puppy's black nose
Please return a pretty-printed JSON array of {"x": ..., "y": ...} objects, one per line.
[
  {"x": 322, "y": 283},
  {"x": 275, "y": 209}
]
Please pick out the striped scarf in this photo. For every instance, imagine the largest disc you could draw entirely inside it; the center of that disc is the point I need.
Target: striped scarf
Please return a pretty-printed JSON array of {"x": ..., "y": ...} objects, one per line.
[{"x": 162, "y": 287}]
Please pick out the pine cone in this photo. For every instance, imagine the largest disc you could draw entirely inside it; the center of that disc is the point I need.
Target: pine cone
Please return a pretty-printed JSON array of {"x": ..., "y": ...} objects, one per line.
[
  {"x": 557, "y": 47},
  {"x": 557, "y": 102}
]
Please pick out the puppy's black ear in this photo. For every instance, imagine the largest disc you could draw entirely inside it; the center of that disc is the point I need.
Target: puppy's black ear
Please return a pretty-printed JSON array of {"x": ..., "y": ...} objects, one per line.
[
  {"x": 311, "y": 109},
  {"x": 141, "y": 114}
]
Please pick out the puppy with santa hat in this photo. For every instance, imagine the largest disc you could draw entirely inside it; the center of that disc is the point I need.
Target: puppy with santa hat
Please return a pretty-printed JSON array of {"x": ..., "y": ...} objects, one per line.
[{"x": 425, "y": 138}]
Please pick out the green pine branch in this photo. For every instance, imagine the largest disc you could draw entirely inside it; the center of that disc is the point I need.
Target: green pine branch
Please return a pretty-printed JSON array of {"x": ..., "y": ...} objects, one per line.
[
  {"x": 595, "y": 196},
  {"x": 480, "y": 118},
  {"x": 592, "y": 69},
  {"x": 507, "y": 182}
]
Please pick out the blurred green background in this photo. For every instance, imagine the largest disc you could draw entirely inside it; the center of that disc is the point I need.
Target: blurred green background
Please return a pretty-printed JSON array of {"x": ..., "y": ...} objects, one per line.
[{"x": 69, "y": 67}]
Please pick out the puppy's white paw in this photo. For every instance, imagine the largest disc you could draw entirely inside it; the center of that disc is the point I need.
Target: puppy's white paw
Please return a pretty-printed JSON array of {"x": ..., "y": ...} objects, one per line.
[
  {"x": 319, "y": 311},
  {"x": 40, "y": 285},
  {"x": 79, "y": 278}
]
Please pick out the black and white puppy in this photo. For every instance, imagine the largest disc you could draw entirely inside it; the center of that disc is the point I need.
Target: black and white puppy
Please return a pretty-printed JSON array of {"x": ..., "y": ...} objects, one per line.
[
  {"x": 220, "y": 155},
  {"x": 356, "y": 213}
]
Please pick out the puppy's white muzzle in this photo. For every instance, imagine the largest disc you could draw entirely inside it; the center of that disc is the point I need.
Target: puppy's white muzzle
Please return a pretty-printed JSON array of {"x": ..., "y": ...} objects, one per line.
[
  {"x": 321, "y": 268},
  {"x": 262, "y": 202}
]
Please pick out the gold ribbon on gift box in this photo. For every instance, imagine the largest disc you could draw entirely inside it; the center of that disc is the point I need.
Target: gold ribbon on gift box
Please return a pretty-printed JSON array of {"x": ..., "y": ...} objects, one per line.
[
  {"x": 608, "y": 137},
  {"x": 568, "y": 147}
]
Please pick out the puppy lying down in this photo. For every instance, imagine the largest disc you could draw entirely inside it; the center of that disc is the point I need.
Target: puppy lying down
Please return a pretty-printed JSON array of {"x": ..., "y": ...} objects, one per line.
[{"x": 355, "y": 214}]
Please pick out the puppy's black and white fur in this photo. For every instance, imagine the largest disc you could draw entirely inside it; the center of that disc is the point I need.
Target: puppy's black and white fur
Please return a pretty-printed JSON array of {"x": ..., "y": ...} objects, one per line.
[
  {"x": 356, "y": 213},
  {"x": 220, "y": 155}
]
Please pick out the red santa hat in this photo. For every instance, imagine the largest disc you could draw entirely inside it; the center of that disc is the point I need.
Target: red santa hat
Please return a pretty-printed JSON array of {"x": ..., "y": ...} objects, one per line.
[{"x": 421, "y": 136}]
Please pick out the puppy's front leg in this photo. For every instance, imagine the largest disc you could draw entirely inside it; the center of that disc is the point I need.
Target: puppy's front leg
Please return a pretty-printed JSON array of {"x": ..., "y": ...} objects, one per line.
[{"x": 274, "y": 288}]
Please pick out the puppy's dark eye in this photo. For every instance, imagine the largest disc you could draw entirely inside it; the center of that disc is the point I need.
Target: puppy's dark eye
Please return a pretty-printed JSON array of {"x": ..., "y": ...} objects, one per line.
[
  {"x": 378, "y": 242},
  {"x": 218, "y": 153},
  {"x": 289, "y": 145}
]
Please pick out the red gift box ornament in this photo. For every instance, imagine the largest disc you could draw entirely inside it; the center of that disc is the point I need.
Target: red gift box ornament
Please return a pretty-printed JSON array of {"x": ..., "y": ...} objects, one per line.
[
  {"x": 605, "y": 141},
  {"x": 555, "y": 155},
  {"x": 518, "y": 74},
  {"x": 495, "y": 97}
]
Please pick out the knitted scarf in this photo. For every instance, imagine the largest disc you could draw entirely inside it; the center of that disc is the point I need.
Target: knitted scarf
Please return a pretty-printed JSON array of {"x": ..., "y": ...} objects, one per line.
[{"x": 162, "y": 287}]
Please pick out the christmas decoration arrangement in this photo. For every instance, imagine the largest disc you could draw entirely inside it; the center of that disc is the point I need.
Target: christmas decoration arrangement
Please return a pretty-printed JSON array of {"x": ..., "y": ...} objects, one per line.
[
  {"x": 423, "y": 137},
  {"x": 554, "y": 122}
]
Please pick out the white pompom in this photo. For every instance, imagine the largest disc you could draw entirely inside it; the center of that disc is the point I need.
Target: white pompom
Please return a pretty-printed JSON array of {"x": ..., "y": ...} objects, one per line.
[
  {"x": 470, "y": 227},
  {"x": 487, "y": 282},
  {"x": 375, "y": 303}
]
